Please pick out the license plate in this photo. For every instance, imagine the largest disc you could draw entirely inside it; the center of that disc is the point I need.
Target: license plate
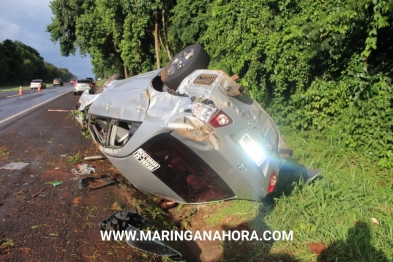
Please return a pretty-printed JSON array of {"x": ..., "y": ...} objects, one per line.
[
  {"x": 145, "y": 160},
  {"x": 252, "y": 149}
]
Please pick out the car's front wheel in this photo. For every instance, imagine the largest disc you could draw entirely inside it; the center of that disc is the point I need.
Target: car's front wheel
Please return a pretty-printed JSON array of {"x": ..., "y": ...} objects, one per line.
[{"x": 184, "y": 63}]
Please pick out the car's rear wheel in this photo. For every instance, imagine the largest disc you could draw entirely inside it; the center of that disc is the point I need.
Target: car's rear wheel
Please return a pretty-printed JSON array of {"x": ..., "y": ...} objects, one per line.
[{"x": 184, "y": 63}]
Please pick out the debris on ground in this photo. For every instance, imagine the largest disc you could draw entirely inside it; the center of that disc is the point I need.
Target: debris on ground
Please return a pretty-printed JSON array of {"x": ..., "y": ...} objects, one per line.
[
  {"x": 92, "y": 182},
  {"x": 166, "y": 204},
  {"x": 59, "y": 110},
  {"x": 130, "y": 221},
  {"x": 41, "y": 190},
  {"x": 57, "y": 183},
  {"x": 121, "y": 220},
  {"x": 13, "y": 166},
  {"x": 83, "y": 169},
  {"x": 94, "y": 158}
]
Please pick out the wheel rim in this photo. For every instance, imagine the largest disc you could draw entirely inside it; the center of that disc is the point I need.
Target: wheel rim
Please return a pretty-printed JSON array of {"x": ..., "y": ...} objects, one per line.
[{"x": 180, "y": 61}]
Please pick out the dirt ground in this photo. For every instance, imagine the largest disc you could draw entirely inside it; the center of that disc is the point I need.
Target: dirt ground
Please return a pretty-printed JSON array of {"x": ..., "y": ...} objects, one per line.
[{"x": 60, "y": 223}]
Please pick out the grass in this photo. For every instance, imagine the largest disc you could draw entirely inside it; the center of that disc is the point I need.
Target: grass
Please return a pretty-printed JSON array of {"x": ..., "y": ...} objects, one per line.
[
  {"x": 74, "y": 159},
  {"x": 10, "y": 88},
  {"x": 349, "y": 209},
  {"x": 100, "y": 82}
]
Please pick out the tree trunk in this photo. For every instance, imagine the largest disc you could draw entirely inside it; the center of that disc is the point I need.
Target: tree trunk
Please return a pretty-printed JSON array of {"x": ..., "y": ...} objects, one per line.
[
  {"x": 125, "y": 71},
  {"x": 156, "y": 43},
  {"x": 166, "y": 36}
]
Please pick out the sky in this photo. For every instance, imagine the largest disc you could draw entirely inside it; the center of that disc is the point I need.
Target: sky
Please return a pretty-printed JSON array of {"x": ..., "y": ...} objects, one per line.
[{"x": 26, "y": 21}]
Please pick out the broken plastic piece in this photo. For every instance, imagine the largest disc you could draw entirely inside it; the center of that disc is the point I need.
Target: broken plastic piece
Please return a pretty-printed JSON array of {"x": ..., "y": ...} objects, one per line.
[
  {"x": 129, "y": 221},
  {"x": 83, "y": 169},
  {"x": 92, "y": 183},
  {"x": 121, "y": 220},
  {"x": 57, "y": 183}
]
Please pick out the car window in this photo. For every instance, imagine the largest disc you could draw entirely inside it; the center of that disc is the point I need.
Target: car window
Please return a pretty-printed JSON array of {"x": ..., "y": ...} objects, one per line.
[
  {"x": 36, "y": 81},
  {"x": 85, "y": 81},
  {"x": 182, "y": 170}
]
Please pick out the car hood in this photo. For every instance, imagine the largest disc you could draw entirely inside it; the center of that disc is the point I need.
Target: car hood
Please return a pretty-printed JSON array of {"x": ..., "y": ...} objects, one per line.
[
  {"x": 87, "y": 99},
  {"x": 126, "y": 99}
]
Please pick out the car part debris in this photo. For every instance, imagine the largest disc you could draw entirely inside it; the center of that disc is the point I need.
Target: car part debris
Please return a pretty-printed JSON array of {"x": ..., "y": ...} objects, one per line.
[
  {"x": 83, "y": 169},
  {"x": 92, "y": 182},
  {"x": 130, "y": 221},
  {"x": 39, "y": 192},
  {"x": 94, "y": 158},
  {"x": 13, "y": 166},
  {"x": 121, "y": 220}
]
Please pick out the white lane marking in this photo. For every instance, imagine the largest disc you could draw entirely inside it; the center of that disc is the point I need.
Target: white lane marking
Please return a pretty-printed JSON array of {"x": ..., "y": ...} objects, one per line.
[
  {"x": 13, "y": 95},
  {"x": 24, "y": 111}
]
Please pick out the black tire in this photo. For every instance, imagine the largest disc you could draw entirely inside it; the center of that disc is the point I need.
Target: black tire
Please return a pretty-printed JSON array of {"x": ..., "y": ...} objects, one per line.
[{"x": 185, "y": 62}]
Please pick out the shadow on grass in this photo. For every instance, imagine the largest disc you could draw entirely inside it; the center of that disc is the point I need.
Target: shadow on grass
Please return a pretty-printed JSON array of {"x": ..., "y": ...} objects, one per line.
[
  {"x": 357, "y": 247},
  {"x": 290, "y": 174}
]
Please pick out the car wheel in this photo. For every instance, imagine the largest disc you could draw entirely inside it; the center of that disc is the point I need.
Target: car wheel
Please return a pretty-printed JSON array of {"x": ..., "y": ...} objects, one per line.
[
  {"x": 184, "y": 63},
  {"x": 74, "y": 93}
]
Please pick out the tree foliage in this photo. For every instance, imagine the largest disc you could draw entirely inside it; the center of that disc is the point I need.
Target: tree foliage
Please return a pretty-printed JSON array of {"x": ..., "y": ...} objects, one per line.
[
  {"x": 20, "y": 63},
  {"x": 322, "y": 65},
  {"x": 121, "y": 36}
]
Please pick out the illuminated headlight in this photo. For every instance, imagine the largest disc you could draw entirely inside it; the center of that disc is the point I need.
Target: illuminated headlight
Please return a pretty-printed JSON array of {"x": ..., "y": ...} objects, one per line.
[
  {"x": 252, "y": 149},
  {"x": 203, "y": 112}
]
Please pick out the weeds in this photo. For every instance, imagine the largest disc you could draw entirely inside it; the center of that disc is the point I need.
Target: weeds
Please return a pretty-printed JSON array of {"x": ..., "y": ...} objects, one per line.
[
  {"x": 4, "y": 153},
  {"x": 5, "y": 245},
  {"x": 74, "y": 159},
  {"x": 90, "y": 211}
]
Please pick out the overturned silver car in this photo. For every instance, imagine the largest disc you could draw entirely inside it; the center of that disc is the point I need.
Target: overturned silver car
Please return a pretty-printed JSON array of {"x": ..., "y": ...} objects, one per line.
[{"x": 185, "y": 134}]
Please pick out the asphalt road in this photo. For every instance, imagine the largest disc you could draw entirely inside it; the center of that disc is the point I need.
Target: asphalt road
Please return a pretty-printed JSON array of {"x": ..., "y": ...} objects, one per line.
[
  {"x": 14, "y": 106},
  {"x": 43, "y": 222}
]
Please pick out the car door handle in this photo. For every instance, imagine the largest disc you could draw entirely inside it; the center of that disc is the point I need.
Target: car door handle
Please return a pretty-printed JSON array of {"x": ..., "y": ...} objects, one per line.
[{"x": 108, "y": 106}]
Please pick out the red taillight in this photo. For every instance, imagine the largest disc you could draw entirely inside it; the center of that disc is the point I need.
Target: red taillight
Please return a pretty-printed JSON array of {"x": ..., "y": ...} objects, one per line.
[
  {"x": 272, "y": 181},
  {"x": 220, "y": 120},
  {"x": 91, "y": 85}
]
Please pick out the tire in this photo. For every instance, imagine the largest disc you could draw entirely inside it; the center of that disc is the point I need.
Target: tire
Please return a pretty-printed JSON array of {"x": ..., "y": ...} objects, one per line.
[
  {"x": 74, "y": 93},
  {"x": 184, "y": 63}
]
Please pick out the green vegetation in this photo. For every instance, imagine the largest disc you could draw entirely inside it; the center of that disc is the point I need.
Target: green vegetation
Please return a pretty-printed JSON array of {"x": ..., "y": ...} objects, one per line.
[
  {"x": 19, "y": 64},
  {"x": 349, "y": 209},
  {"x": 312, "y": 65},
  {"x": 322, "y": 69},
  {"x": 5, "y": 245}
]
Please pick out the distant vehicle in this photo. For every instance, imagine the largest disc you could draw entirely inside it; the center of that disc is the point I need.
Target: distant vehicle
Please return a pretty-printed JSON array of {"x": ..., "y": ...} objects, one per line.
[
  {"x": 57, "y": 82},
  {"x": 81, "y": 85},
  {"x": 92, "y": 80},
  {"x": 72, "y": 81},
  {"x": 37, "y": 83}
]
